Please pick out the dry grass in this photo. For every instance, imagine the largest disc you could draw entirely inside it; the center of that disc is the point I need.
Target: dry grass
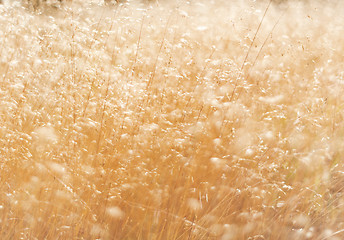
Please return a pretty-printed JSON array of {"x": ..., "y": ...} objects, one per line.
[{"x": 146, "y": 122}]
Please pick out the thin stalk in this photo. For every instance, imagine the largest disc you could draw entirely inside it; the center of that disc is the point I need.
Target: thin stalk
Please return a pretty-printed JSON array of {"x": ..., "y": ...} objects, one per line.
[
  {"x": 138, "y": 44},
  {"x": 102, "y": 117},
  {"x": 249, "y": 50},
  {"x": 158, "y": 55},
  {"x": 261, "y": 48}
]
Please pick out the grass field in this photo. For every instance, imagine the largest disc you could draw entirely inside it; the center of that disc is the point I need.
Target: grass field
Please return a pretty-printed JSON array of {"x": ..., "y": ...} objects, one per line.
[{"x": 172, "y": 120}]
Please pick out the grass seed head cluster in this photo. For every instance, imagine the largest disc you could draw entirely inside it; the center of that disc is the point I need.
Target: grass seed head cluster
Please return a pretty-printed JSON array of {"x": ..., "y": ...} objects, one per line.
[{"x": 172, "y": 120}]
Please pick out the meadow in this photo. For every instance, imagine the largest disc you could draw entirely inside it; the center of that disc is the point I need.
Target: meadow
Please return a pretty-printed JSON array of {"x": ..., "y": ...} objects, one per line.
[{"x": 172, "y": 120}]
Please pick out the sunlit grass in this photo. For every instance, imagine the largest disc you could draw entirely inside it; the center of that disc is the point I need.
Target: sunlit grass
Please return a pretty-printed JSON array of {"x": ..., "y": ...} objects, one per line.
[{"x": 172, "y": 120}]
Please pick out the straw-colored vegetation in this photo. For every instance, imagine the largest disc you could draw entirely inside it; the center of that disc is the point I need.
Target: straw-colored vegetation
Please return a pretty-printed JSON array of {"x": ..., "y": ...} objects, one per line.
[{"x": 172, "y": 120}]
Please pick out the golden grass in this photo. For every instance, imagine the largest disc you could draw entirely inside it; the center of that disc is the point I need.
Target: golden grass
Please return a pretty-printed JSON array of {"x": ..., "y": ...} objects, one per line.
[{"x": 146, "y": 122}]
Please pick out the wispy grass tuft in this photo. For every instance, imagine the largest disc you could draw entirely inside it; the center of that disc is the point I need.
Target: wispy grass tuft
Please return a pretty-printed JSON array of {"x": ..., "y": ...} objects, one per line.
[{"x": 172, "y": 120}]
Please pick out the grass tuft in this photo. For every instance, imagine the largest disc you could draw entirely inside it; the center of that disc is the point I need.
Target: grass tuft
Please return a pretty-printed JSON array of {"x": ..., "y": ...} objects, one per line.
[{"x": 172, "y": 120}]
